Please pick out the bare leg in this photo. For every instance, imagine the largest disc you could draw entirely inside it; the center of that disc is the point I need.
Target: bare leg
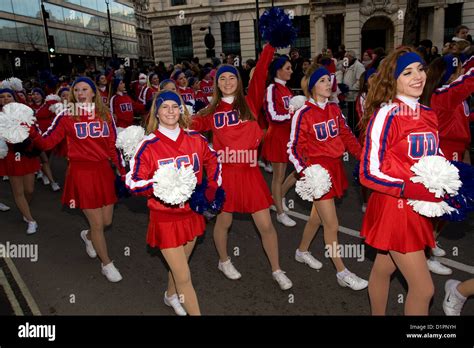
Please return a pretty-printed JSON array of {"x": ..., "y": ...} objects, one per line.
[
  {"x": 269, "y": 236},
  {"x": 221, "y": 229},
  {"x": 95, "y": 217},
  {"x": 310, "y": 229},
  {"x": 379, "y": 283},
  {"x": 19, "y": 194},
  {"x": 188, "y": 249},
  {"x": 420, "y": 285},
  {"x": 279, "y": 170}
]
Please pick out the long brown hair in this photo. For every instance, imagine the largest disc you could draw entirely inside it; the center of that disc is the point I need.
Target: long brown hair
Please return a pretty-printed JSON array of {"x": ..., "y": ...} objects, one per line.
[
  {"x": 434, "y": 75},
  {"x": 240, "y": 103},
  {"x": 100, "y": 109},
  {"x": 184, "y": 120},
  {"x": 383, "y": 85}
]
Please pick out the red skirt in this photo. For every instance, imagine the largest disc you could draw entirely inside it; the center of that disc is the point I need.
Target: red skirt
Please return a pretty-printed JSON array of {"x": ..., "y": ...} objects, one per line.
[
  {"x": 18, "y": 164},
  {"x": 89, "y": 185},
  {"x": 275, "y": 145},
  {"x": 172, "y": 234},
  {"x": 338, "y": 176},
  {"x": 245, "y": 189},
  {"x": 390, "y": 224}
]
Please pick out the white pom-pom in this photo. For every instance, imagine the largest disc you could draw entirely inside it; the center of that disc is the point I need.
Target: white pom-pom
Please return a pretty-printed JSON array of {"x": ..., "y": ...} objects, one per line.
[
  {"x": 297, "y": 102},
  {"x": 209, "y": 99},
  {"x": 5, "y": 84},
  {"x": 120, "y": 130},
  {"x": 15, "y": 121},
  {"x": 430, "y": 209},
  {"x": 3, "y": 149},
  {"x": 129, "y": 139},
  {"x": 437, "y": 174},
  {"x": 315, "y": 183},
  {"x": 54, "y": 97},
  {"x": 15, "y": 83},
  {"x": 174, "y": 186}
]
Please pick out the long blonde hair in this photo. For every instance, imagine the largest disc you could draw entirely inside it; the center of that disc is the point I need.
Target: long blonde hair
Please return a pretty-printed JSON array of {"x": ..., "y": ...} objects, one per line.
[
  {"x": 382, "y": 85},
  {"x": 100, "y": 109},
  {"x": 240, "y": 103},
  {"x": 152, "y": 123}
]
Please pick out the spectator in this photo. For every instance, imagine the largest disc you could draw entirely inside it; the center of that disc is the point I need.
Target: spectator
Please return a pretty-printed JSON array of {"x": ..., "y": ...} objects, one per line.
[
  {"x": 367, "y": 58},
  {"x": 461, "y": 33},
  {"x": 434, "y": 53},
  {"x": 297, "y": 67},
  {"x": 352, "y": 73}
]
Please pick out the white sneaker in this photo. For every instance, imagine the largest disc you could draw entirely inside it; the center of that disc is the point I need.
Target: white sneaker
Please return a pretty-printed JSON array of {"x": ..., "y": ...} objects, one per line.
[
  {"x": 89, "y": 246},
  {"x": 437, "y": 268},
  {"x": 4, "y": 207},
  {"x": 284, "y": 219},
  {"x": 452, "y": 304},
  {"x": 173, "y": 301},
  {"x": 283, "y": 204},
  {"x": 32, "y": 227},
  {"x": 261, "y": 164},
  {"x": 111, "y": 273},
  {"x": 364, "y": 207},
  {"x": 45, "y": 180},
  {"x": 352, "y": 281},
  {"x": 5, "y": 178},
  {"x": 437, "y": 251},
  {"x": 55, "y": 186},
  {"x": 307, "y": 258},
  {"x": 229, "y": 270},
  {"x": 39, "y": 175},
  {"x": 268, "y": 168},
  {"x": 282, "y": 280}
]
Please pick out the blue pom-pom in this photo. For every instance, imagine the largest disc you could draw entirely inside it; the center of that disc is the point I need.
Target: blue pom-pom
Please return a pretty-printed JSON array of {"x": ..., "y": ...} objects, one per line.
[
  {"x": 355, "y": 173},
  {"x": 275, "y": 26},
  {"x": 198, "y": 106},
  {"x": 463, "y": 202},
  {"x": 120, "y": 188},
  {"x": 198, "y": 201},
  {"x": 216, "y": 205}
]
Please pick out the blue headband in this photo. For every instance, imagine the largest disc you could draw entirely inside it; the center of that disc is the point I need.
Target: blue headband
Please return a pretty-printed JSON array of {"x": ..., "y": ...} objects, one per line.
[
  {"x": 278, "y": 64},
  {"x": 116, "y": 83},
  {"x": 176, "y": 74},
  {"x": 449, "y": 60},
  {"x": 320, "y": 72},
  {"x": 167, "y": 95},
  {"x": 226, "y": 68},
  {"x": 61, "y": 90},
  {"x": 165, "y": 82},
  {"x": 405, "y": 60},
  {"x": 86, "y": 80},
  {"x": 8, "y": 90},
  {"x": 38, "y": 90}
]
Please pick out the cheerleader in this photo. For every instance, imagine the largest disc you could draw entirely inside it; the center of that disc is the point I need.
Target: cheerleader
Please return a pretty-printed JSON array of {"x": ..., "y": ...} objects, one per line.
[
  {"x": 122, "y": 106},
  {"x": 185, "y": 91},
  {"x": 207, "y": 83},
  {"x": 91, "y": 134},
  {"x": 320, "y": 135},
  {"x": 168, "y": 85},
  {"x": 63, "y": 92},
  {"x": 137, "y": 85},
  {"x": 21, "y": 169},
  {"x": 44, "y": 117},
  {"x": 398, "y": 134},
  {"x": 231, "y": 117},
  {"x": 173, "y": 229},
  {"x": 102, "y": 85},
  {"x": 446, "y": 92},
  {"x": 276, "y": 105},
  {"x": 150, "y": 89}
]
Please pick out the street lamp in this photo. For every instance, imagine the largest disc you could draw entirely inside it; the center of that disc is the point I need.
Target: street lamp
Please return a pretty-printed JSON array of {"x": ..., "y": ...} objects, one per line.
[
  {"x": 210, "y": 42},
  {"x": 110, "y": 29}
]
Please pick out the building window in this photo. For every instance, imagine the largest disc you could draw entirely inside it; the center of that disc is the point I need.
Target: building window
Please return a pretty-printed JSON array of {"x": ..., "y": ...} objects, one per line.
[
  {"x": 178, "y": 2},
  {"x": 303, "y": 41},
  {"x": 182, "y": 41},
  {"x": 230, "y": 32},
  {"x": 8, "y": 29},
  {"x": 29, "y": 8}
]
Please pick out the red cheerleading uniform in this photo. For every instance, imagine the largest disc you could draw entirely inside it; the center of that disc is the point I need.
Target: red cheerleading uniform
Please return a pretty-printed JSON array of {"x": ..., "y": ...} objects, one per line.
[
  {"x": 90, "y": 179},
  {"x": 236, "y": 142},
  {"x": 397, "y": 138},
  {"x": 449, "y": 104},
  {"x": 207, "y": 86},
  {"x": 201, "y": 96},
  {"x": 172, "y": 225},
  {"x": 147, "y": 94},
  {"x": 187, "y": 93},
  {"x": 104, "y": 93},
  {"x": 320, "y": 135},
  {"x": 43, "y": 115},
  {"x": 18, "y": 164},
  {"x": 122, "y": 108},
  {"x": 277, "y": 104}
]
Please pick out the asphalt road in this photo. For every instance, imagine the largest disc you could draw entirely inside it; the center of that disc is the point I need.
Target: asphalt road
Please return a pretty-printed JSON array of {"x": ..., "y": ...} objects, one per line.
[{"x": 65, "y": 281}]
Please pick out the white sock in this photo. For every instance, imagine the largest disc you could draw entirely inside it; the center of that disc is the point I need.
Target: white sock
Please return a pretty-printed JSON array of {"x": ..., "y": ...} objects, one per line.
[{"x": 343, "y": 273}]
